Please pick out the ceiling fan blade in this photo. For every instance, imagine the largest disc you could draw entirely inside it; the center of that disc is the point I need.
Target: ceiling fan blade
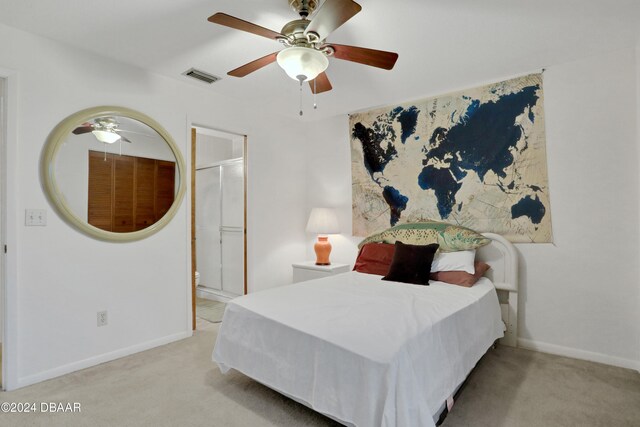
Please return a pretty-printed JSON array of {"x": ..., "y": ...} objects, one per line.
[
  {"x": 331, "y": 15},
  {"x": 372, "y": 57},
  {"x": 125, "y": 139},
  {"x": 242, "y": 25},
  {"x": 322, "y": 83},
  {"x": 253, "y": 65},
  {"x": 85, "y": 128}
]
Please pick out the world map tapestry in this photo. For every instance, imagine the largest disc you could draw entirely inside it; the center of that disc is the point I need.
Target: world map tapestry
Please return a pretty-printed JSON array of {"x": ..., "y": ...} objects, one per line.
[{"x": 475, "y": 158}]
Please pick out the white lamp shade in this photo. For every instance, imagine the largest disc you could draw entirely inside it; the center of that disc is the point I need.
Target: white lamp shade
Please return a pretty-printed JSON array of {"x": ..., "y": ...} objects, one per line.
[
  {"x": 302, "y": 63},
  {"x": 106, "y": 136},
  {"x": 323, "y": 221}
]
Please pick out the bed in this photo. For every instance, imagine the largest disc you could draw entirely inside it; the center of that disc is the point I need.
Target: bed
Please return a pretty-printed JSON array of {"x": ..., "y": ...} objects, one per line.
[{"x": 366, "y": 352}]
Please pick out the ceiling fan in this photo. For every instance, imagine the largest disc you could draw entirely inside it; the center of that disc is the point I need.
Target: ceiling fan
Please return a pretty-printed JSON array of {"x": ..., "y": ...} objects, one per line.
[
  {"x": 305, "y": 57},
  {"x": 105, "y": 129}
]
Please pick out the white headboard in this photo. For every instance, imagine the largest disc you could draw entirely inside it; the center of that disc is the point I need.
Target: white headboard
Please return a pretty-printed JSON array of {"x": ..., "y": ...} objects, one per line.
[{"x": 502, "y": 256}]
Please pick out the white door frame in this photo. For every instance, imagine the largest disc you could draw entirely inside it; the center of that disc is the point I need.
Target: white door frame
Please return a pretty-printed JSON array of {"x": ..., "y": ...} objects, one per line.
[{"x": 8, "y": 234}]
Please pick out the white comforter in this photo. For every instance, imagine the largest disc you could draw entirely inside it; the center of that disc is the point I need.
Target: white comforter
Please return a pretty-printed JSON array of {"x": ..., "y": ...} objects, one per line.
[{"x": 361, "y": 350}]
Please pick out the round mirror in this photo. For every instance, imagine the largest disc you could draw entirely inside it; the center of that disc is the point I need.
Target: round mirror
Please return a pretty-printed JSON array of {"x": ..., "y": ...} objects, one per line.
[{"x": 113, "y": 173}]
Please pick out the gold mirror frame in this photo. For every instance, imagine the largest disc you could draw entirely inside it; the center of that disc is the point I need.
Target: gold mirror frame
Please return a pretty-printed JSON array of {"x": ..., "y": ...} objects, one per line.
[{"x": 60, "y": 134}]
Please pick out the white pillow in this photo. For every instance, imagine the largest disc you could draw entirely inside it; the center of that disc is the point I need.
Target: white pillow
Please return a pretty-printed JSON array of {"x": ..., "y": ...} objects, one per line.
[{"x": 454, "y": 261}]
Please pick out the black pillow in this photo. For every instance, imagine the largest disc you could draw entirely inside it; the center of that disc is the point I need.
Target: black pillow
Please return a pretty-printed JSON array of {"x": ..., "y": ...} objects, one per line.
[{"x": 411, "y": 263}]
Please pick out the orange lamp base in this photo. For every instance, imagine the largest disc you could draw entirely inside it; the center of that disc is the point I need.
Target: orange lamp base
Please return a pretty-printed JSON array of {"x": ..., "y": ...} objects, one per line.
[{"x": 323, "y": 249}]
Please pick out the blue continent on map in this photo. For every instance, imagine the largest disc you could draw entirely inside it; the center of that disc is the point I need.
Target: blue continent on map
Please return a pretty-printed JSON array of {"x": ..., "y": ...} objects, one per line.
[
  {"x": 376, "y": 157},
  {"x": 396, "y": 201},
  {"x": 444, "y": 186},
  {"x": 494, "y": 121},
  {"x": 529, "y": 207},
  {"x": 408, "y": 120}
]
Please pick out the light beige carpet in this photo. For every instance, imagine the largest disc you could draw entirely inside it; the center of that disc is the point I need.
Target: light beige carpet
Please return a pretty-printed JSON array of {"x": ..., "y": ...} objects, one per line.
[{"x": 178, "y": 385}]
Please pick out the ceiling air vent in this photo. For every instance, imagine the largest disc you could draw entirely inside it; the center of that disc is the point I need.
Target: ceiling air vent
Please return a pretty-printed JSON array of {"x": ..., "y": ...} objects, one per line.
[{"x": 201, "y": 75}]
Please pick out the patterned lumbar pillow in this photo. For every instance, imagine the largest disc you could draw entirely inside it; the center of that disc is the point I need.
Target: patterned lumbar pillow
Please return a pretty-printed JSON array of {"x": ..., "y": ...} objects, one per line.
[{"x": 450, "y": 237}]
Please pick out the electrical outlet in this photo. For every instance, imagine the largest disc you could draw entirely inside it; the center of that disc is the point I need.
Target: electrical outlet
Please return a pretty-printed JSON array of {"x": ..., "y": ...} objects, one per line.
[{"x": 102, "y": 318}]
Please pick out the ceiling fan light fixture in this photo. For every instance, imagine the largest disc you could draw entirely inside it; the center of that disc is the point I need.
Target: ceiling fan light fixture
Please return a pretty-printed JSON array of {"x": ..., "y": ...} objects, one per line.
[
  {"x": 302, "y": 63},
  {"x": 105, "y": 136}
]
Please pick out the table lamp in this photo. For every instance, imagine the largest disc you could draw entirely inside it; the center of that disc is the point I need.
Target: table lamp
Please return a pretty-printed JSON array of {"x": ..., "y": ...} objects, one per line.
[{"x": 323, "y": 221}]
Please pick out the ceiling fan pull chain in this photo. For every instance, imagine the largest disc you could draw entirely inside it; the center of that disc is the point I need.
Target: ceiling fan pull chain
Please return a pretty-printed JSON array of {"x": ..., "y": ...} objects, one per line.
[
  {"x": 315, "y": 93},
  {"x": 301, "y": 97},
  {"x": 105, "y": 151},
  {"x": 121, "y": 146}
]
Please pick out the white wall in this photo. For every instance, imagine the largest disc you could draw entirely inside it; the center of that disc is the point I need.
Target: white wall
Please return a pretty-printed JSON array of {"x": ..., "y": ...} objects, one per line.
[
  {"x": 211, "y": 149},
  {"x": 582, "y": 292},
  {"x": 62, "y": 277},
  {"x": 579, "y": 296}
]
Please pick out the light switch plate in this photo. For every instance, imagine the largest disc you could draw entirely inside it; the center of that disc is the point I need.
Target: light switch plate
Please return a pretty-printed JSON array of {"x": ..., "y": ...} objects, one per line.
[{"x": 35, "y": 217}]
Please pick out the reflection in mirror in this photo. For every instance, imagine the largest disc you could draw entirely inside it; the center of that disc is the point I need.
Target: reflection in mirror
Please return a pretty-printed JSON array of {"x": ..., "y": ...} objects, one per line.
[
  {"x": 113, "y": 173},
  {"x": 117, "y": 174}
]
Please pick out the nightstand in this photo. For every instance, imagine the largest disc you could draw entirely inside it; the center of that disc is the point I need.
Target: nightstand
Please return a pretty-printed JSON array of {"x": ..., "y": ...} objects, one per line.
[{"x": 309, "y": 270}]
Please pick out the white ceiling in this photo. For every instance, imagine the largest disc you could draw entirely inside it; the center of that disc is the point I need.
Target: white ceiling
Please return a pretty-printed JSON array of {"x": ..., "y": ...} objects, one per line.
[{"x": 443, "y": 44}]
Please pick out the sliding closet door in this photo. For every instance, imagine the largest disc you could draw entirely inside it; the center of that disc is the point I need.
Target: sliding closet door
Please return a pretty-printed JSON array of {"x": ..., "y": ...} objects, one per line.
[
  {"x": 208, "y": 227},
  {"x": 145, "y": 193},
  {"x": 128, "y": 193},
  {"x": 123, "y": 194},
  {"x": 100, "y": 204},
  {"x": 232, "y": 227},
  {"x": 165, "y": 187}
]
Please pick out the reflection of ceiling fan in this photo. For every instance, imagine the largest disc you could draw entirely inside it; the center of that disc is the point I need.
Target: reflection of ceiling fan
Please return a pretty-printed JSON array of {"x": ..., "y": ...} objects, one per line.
[
  {"x": 306, "y": 52},
  {"x": 105, "y": 129}
]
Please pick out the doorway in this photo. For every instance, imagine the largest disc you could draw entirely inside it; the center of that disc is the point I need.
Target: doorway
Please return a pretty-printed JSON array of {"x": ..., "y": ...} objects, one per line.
[{"x": 218, "y": 221}]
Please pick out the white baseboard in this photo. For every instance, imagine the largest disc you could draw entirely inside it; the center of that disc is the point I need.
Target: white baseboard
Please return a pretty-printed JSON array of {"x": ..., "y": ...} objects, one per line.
[
  {"x": 96, "y": 360},
  {"x": 578, "y": 354},
  {"x": 213, "y": 294}
]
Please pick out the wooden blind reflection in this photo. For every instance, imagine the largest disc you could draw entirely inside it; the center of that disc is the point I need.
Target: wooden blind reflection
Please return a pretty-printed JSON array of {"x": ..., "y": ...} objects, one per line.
[{"x": 128, "y": 193}]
